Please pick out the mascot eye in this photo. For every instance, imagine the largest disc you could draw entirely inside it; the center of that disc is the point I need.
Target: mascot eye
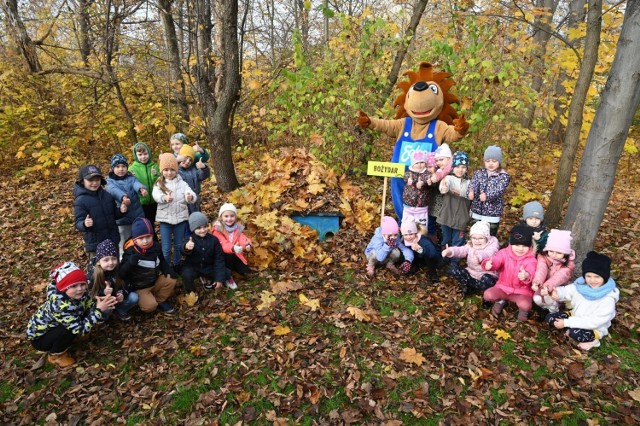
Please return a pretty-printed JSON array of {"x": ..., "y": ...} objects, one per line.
[{"x": 433, "y": 88}]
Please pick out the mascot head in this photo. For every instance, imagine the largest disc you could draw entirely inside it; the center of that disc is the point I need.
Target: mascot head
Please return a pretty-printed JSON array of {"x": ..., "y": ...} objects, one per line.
[{"x": 426, "y": 96}]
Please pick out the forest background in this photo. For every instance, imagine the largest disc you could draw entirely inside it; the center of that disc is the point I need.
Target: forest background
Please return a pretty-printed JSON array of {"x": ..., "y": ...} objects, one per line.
[{"x": 272, "y": 89}]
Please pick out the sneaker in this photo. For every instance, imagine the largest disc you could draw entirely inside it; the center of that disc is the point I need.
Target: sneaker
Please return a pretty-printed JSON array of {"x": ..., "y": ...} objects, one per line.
[
  {"x": 122, "y": 316},
  {"x": 371, "y": 270},
  {"x": 61, "y": 360},
  {"x": 230, "y": 283},
  {"x": 206, "y": 284},
  {"x": 498, "y": 307},
  {"x": 166, "y": 307},
  {"x": 523, "y": 315},
  {"x": 585, "y": 346}
]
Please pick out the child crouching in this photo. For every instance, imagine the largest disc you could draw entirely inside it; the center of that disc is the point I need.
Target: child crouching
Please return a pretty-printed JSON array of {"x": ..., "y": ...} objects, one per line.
[
  {"x": 593, "y": 298},
  {"x": 387, "y": 248}
]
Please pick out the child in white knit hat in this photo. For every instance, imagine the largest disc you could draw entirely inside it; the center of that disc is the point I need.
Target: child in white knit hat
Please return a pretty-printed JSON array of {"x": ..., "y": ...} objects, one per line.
[
  {"x": 234, "y": 242},
  {"x": 555, "y": 268},
  {"x": 443, "y": 158},
  {"x": 415, "y": 196}
]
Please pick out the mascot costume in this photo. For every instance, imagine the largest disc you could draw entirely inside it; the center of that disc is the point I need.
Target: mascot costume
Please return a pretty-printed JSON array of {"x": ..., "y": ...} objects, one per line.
[{"x": 424, "y": 120}]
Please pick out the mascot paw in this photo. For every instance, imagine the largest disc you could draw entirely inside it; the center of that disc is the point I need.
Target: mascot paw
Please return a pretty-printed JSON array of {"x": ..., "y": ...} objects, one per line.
[
  {"x": 364, "y": 121},
  {"x": 461, "y": 125}
]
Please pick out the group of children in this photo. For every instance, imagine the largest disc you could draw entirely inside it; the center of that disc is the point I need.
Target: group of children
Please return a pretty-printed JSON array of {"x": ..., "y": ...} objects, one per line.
[
  {"x": 535, "y": 267},
  {"x": 128, "y": 266}
]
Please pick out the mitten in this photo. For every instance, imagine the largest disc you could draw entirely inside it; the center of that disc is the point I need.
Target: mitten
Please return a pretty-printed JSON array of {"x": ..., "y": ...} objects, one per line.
[
  {"x": 363, "y": 120},
  {"x": 237, "y": 249},
  {"x": 391, "y": 242},
  {"x": 405, "y": 267},
  {"x": 461, "y": 125}
]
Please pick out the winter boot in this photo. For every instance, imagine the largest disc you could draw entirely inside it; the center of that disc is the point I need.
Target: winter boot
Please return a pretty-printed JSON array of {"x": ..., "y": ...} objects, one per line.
[{"x": 498, "y": 307}]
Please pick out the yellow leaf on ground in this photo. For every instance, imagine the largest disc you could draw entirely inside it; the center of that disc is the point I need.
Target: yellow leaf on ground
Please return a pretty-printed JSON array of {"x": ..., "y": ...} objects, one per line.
[
  {"x": 312, "y": 303},
  {"x": 358, "y": 314},
  {"x": 280, "y": 330},
  {"x": 501, "y": 334},
  {"x": 412, "y": 356},
  {"x": 267, "y": 300},
  {"x": 635, "y": 394}
]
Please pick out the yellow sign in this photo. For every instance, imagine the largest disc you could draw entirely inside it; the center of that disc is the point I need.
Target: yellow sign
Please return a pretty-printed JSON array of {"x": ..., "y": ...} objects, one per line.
[{"x": 380, "y": 168}]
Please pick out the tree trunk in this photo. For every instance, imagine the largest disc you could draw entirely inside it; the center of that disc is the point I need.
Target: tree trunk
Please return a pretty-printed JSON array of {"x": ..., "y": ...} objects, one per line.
[
  {"x": 574, "y": 125},
  {"x": 577, "y": 13},
  {"x": 175, "y": 75},
  {"x": 392, "y": 78},
  {"x": 84, "y": 25},
  {"x": 542, "y": 28},
  {"x": 605, "y": 143},
  {"x": 18, "y": 33}
]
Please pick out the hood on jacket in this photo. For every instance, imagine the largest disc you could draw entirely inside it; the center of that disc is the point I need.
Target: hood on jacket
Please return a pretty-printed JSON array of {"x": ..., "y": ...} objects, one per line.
[{"x": 135, "y": 156}]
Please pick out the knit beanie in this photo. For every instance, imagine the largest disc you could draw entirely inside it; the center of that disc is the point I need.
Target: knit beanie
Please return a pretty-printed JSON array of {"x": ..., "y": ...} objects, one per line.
[
  {"x": 481, "y": 228},
  {"x": 418, "y": 157},
  {"x": 559, "y": 241},
  {"x": 460, "y": 158},
  {"x": 227, "y": 207},
  {"x": 533, "y": 209},
  {"x": 118, "y": 159},
  {"x": 106, "y": 248},
  {"x": 389, "y": 225},
  {"x": 431, "y": 159},
  {"x": 196, "y": 220},
  {"x": 493, "y": 153},
  {"x": 168, "y": 161},
  {"x": 187, "y": 151},
  {"x": 88, "y": 172},
  {"x": 598, "y": 264},
  {"x": 180, "y": 137},
  {"x": 408, "y": 227},
  {"x": 443, "y": 151},
  {"x": 521, "y": 235},
  {"x": 67, "y": 274},
  {"x": 141, "y": 227}
]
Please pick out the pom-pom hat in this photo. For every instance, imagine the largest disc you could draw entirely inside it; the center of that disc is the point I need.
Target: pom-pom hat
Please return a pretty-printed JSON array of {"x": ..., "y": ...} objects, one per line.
[{"x": 67, "y": 274}]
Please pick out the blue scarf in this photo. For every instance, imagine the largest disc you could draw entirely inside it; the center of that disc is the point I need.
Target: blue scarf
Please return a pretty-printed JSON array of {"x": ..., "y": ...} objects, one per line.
[
  {"x": 231, "y": 228},
  {"x": 594, "y": 293}
]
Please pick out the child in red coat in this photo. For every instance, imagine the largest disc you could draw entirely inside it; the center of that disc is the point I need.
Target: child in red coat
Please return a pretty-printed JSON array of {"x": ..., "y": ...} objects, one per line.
[
  {"x": 233, "y": 240},
  {"x": 516, "y": 265}
]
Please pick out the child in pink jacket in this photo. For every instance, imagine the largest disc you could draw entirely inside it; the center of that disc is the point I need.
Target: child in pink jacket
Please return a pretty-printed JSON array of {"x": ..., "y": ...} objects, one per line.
[
  {"x": 234, "y": 242},
  {"x": 516, "y": 265},
  {"x": 555, "y": 269},
  {"x": 482, "y": 245}
]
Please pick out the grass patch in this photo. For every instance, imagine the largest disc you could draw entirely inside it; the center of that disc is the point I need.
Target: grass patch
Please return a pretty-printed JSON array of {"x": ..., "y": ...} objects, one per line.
[
  {"x": 337, "y": 401},
  {"x": 7, "y": 391},
  {"x": 185, "y": 398},
  {"x": 352, "y": 299},
  {"x": 63, "y": 386},
  {"x": 397, "y": 303},
  {"x": 628, "y": 357},
  {"x": 512, "y": 359}
]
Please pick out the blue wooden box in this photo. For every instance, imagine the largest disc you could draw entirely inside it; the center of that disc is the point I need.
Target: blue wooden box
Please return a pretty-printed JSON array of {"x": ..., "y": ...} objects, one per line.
[{"x": 325, "y": 223}]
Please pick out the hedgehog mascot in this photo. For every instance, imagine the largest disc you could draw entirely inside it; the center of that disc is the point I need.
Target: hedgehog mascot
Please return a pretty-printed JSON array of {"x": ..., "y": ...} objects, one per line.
[{"x": 424, "y": 120}]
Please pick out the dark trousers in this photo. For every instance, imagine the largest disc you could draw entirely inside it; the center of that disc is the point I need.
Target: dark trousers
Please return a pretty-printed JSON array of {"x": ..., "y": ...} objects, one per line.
[
  {"x": 467, "y": 283},
  {"x": 234, "y": 263},
  {"x": 190, "y": 273},
  {"x": 150, "y": 211},
  {"x": 54, "y": 341},
  {"x": 578, "y": 334}
]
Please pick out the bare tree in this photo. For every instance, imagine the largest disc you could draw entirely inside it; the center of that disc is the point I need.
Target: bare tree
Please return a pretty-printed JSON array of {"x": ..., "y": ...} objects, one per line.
[
  {"x": 619, "y": 102},
  {"x": 574, "y": 125}
]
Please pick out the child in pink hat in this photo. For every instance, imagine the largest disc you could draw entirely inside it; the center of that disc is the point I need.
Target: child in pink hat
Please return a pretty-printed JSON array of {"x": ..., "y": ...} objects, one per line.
[
  {"x": 555, "y": 268},
  {"x": 415, "y": 196},
  {"x": 387, "y": 248}
]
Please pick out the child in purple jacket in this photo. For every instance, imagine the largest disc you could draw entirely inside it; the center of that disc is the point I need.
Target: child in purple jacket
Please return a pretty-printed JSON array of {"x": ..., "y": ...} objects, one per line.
[{"x": 487, "y": 188}]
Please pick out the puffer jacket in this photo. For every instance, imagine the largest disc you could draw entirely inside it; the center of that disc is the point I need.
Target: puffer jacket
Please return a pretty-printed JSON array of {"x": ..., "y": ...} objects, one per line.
[
  {"x": 508, "y": 265},
  {"x": 476, "y": 256},
  {"x": 554, "y": 273},
  {"x": 230, "y": 239},
  {"x": 102, "y": 208},
  {"x": 176, "y": 211},
  {"x": 130, "y": 186}
]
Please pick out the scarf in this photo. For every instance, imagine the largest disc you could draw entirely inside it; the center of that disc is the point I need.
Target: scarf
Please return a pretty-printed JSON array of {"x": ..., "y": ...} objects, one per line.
[
  {"x": 232, "y": 228},
  {"x": 594, "y": 293},
  {"x": 140, "y": 249}
]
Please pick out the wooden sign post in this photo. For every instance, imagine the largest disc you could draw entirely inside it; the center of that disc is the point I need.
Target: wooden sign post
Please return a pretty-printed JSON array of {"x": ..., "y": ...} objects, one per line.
[{"x": 379, "y": 168}]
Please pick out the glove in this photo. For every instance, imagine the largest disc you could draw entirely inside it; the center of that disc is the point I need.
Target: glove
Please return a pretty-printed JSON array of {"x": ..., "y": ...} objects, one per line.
[
  {"x": 237, "y": 249},
  {"x": 461, "y": 125},
  {"x": 391, "y": 242},
  {"x": 363, "y": 120},
  {"x": 405, "y": 267}
]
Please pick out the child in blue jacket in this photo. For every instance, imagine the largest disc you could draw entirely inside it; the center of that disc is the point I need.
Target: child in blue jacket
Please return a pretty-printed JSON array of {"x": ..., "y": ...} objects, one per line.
[
  {"x": 387, "y": 248},
  {"x": 193, "y": 173}
]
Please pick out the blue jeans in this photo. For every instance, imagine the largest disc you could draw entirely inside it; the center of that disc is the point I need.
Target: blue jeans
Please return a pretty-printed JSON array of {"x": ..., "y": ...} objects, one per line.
[
  {"x": 129, "y": 302},
  {"x": 452, "y": 237},
  {"x": 170, "y": 232}
]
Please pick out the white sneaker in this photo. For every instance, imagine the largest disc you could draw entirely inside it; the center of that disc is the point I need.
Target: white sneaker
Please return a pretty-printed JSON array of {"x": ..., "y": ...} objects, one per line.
[{"x": 231, "y": 284}]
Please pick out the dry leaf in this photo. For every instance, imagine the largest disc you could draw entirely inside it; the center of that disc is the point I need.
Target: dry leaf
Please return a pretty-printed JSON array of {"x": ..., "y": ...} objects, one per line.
[
  {"x": 267, "y": 300},
  {"x": 280, "y": 330},
  {"x": 501, "y": 334},
  {"x": 188, "y": 299},
  {"x": 635, "y": 394},
  {"x": 410, "y": 355},
  {"x": 312, "y": 303},
  {"x": 358, "y": 314}
]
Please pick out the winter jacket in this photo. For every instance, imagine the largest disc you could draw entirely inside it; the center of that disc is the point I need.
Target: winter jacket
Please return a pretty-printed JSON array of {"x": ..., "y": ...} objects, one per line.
[
  {"x": 141, "y": 270},
  {"x": 111, "y": 276},
  {"x": 229, "y": 239},
  {"x": 147, "y": 173},
  {"x": 101, "y": 206},
  {"x": 206, "y": 256},
  {"x": 587, "y": 314},
  {"x": 176, "y": 211},
  {"x": 454, "y": 212},
  {"x": 413, "y": 196},
  {"x": 193, "y": 176},
  {"x": 379, "y": 246},
  {"x": 476, "y": 256},
  {"x": 130, "y": 186},
  {"x": 429, "y": 251},
  {"x": 508, "y": 265},
  {"x": 493, "y": 185},
  {"x": 554, "y": 273},
  {"x": 77, "y": 316}
]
